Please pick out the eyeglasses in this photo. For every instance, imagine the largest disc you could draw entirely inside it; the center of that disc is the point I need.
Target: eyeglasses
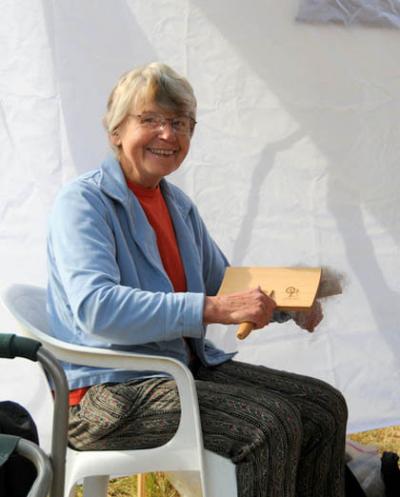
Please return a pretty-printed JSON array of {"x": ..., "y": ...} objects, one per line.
[{"x": 181, "y": 125}]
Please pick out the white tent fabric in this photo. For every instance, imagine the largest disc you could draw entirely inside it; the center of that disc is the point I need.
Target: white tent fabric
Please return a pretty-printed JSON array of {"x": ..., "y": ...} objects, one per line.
[{"x": 294, "y": 161}]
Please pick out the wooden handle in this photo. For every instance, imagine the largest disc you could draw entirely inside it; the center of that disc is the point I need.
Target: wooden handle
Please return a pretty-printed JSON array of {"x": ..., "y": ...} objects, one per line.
[{"x": 244, "y": 330}]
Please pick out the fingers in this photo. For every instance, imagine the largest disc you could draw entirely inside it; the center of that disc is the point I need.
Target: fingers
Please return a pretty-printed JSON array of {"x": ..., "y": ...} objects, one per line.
[
  {"x": 253, "y": 306},
  {"x": 263, "y": 308},
  {"x": 268, "y": 307},
  {"x": 309, "y": 320}
]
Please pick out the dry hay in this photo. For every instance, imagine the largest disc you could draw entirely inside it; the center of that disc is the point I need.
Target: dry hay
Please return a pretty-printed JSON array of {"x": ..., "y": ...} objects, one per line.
[{"x": 385, "y": 439}]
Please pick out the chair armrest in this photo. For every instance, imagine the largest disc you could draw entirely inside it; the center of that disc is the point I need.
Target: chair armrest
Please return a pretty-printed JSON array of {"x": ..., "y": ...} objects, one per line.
[{"x": 189, "y": 427}]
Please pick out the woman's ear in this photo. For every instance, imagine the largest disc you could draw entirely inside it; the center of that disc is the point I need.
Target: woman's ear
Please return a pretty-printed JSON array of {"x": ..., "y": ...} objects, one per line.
[{"x": 115, "y": 138}]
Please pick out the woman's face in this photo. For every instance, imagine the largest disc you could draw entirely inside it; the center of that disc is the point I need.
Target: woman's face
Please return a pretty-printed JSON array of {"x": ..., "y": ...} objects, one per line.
[{"x": 147, "y": 154}]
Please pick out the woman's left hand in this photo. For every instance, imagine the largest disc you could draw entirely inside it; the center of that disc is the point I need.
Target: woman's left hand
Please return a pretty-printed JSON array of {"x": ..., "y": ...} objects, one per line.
[{"x": 310, "y": 319}]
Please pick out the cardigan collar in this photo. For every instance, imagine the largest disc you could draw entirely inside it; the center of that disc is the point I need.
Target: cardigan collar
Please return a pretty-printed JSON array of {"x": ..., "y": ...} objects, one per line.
[{"x": 113, "y": 184}]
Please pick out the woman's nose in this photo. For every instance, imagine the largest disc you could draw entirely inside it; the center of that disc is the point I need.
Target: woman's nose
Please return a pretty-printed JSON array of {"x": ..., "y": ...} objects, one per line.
[{"x": 166, "y": 131}]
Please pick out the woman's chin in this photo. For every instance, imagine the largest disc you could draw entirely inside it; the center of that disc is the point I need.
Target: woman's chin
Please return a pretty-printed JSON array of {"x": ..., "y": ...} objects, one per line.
[{"x": 163, "y": 168}]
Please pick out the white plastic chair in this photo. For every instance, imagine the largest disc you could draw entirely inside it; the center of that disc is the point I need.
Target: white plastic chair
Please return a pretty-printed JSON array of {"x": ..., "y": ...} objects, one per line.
[{"x": 183, "y": 453}]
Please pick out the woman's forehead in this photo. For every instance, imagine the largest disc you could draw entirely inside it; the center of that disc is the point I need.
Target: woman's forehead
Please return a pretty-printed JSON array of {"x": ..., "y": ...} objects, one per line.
[{"x": 152, "y": 106}]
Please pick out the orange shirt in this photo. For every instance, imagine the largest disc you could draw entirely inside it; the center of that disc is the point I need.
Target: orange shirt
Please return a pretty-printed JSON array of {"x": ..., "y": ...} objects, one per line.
[{"x": 153, "y": 204}]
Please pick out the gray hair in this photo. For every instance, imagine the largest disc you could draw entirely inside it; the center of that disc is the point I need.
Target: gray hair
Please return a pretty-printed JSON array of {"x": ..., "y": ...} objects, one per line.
[{"x": 155, "y": 82}]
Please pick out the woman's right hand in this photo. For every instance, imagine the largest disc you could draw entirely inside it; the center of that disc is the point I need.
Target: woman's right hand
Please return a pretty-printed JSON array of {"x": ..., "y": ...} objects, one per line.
[{"x": 252, "y": 306}]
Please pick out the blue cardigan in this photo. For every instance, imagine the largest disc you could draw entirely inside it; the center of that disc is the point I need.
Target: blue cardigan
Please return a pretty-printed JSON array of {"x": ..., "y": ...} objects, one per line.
[{"x": 107, "y": 286}]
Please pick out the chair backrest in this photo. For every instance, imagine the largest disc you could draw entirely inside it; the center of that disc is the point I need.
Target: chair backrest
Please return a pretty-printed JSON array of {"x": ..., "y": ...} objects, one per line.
[{"x": 27, "y": 303}]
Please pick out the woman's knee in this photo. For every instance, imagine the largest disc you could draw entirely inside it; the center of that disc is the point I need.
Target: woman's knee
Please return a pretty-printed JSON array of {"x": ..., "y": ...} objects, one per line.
[
  {"x": 326, "y": 412},
  {"x": 281, "y": 423},
  {"x": 335, "y": 402}
]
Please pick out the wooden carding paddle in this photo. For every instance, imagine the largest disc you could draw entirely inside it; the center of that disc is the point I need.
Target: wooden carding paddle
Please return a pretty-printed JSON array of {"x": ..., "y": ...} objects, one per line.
[{"x": 293, "y": 289}]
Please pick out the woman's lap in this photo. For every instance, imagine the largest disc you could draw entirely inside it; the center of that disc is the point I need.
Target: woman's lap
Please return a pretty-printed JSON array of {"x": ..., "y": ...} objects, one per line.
[{"x": 259, "y": 418}]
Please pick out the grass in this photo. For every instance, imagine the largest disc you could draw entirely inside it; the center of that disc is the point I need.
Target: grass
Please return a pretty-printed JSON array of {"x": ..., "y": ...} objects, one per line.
[{"x": 157, "y": 485}]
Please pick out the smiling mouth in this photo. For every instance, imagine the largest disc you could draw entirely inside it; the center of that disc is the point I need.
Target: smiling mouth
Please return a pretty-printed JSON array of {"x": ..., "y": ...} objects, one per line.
[{"x": 162, "y": 152}]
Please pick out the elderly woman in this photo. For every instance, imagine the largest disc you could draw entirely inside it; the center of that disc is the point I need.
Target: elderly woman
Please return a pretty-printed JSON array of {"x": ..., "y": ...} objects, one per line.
[{"x": 133, "y": 267}]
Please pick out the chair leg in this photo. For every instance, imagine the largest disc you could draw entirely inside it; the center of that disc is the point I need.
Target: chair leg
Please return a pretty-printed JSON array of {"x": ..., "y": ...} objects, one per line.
[
  {"x": 95, "y": 486},
  {"x": 141, "y": 485}
]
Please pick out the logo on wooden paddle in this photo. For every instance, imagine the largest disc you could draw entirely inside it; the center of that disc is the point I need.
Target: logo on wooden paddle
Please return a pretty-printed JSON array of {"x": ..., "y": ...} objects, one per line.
[{"x": 292, "y": 292}]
